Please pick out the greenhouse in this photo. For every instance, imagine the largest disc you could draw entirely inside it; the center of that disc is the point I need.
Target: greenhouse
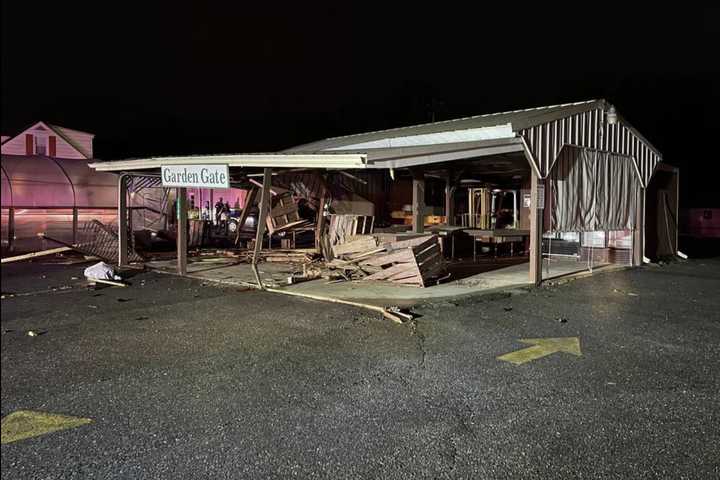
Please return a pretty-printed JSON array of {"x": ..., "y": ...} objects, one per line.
[{"x": 55, "y": 196}]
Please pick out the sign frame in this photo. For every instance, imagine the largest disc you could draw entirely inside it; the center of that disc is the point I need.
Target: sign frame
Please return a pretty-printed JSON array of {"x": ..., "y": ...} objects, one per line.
[{"x": 195, "y": 176}]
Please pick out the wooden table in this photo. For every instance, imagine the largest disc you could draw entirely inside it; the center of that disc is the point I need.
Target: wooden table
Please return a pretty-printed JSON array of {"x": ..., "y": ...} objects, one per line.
[
  {"x": 447, "y": 231},
  {"x": 505, "y": 235}
]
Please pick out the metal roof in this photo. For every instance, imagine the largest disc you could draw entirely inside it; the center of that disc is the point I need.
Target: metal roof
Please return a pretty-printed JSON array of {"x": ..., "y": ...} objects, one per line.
[
  {"x": 517, "y": 119},
  {"x": 256, "y": 160},
  {"x": 541, "y": 133}
]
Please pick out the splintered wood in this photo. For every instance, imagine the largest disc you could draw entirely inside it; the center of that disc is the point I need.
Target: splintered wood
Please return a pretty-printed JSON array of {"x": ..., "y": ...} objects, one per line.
[
  {"x": 409, "y": 262},
  {"x": 298, "y": 255},
  {"x": 284, "y": 214},
  {"x": 347, "y": 226}
]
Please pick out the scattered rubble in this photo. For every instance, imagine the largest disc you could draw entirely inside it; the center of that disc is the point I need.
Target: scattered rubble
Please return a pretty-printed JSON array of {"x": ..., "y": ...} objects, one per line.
[{"x": 409, "y": 262}]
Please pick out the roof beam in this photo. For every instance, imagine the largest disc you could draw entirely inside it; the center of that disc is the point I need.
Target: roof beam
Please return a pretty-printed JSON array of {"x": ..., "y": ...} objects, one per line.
[{"x": 339, "y": 161}]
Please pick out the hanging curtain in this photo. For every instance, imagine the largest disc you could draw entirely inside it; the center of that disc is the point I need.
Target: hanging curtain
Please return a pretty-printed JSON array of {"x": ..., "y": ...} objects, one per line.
[{"x": 592, "y": 191}]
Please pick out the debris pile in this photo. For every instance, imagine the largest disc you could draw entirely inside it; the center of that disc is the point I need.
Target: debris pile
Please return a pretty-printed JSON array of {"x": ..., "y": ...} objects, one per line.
[
  {"x": 297, "y": 255},
  {"x": 409, "y": 262},
  {"x": 285, "y": 215}
]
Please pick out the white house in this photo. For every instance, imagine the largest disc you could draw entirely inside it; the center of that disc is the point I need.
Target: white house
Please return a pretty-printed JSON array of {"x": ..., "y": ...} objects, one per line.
[{"x": 51, "y": 141}]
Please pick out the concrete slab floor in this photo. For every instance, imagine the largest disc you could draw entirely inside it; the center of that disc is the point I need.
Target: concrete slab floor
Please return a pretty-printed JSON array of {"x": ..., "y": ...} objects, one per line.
[{"x": 230, "y": 271}]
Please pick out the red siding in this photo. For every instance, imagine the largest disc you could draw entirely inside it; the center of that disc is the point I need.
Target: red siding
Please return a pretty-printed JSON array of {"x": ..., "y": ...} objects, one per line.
[
  {"x": 29, "y": 150},
  {"x": 52, "y": 146}
]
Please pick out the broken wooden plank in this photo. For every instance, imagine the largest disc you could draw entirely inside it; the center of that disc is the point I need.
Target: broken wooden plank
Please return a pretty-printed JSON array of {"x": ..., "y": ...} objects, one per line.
[
  {"x": 288, "y": 226},
  {"x": 41, "y": 253},
  {"x": 384, "y": 311},
  {"x": 359, "y": 245},
  {"x": 389, "y": 272},
  {"x": 359, "y": 256},
  {"x": 399, "y": 256},
  {"x": 107, "y": 282},
  {"x": 284, "y": 210},
  {"x": 413, "y": 242},
  {"x": 258, "y": 184}
]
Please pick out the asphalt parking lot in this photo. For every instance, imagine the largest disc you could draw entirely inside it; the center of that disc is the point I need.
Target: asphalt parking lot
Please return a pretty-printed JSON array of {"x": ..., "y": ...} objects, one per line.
[{"x": 181, "y": 379}]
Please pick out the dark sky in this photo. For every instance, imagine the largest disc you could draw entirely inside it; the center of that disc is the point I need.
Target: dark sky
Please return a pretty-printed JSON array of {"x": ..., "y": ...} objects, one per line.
[{"x": 178, "y": 78}]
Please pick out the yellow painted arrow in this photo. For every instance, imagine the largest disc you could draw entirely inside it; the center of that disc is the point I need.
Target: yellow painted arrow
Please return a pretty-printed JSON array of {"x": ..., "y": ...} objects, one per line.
[
  {"x": 542, "y": 347},
  {"x": 27, "y": 424}
]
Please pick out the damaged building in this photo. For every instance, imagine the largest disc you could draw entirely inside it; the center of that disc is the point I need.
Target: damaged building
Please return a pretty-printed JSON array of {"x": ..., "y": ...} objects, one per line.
[{"x": 496, "y": 199}]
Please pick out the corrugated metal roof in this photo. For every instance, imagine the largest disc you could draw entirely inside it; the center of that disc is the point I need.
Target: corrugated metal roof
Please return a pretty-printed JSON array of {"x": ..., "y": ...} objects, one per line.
[{"x": 519, "y": 119}]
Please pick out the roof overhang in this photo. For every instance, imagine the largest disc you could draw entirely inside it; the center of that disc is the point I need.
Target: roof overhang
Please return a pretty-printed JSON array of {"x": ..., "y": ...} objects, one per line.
[
  {"x": 438, "y": 138},
  {"x": 325, "y": 161},
  {"x": 431, "y": 154},
  {"x": 378, "y": 158}
]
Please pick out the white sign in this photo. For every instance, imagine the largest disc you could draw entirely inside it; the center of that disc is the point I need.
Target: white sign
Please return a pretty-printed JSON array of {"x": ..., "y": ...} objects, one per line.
[
  {"x": 195, "y": 176},
  {"x": 540, "y": 197},
  {"x": 527, "y": 200}
]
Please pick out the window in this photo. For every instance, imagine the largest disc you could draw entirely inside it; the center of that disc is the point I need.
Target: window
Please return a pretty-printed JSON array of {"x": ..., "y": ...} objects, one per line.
[
  {"x": 40, "y": 145},
  {"x": 593, "y": 239}
]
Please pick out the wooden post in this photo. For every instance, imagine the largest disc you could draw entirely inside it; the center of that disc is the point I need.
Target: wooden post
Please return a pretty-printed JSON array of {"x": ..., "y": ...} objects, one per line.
[
  {"x": 536, "y": 228},
  {"x": 122, "y": 221},
  {"x": 11, "y": 229},
  {"x": 639, "y": 232},
  {"x": 264, "y": 210},
  {"x": 418, "y": 201},
  {"x": 320, "y": 223},
  {"x": 449, "y": 203},
  {"x": 182, "y": 230}
]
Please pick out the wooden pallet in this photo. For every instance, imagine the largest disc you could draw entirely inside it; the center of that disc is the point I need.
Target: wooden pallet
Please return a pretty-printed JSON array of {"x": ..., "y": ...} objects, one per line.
[
  {"x": 410, "y": 262},
  {"x": 284, "y": 214}
]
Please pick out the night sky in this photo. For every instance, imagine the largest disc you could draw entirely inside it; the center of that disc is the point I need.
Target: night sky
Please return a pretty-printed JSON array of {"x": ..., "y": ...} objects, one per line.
[{"x": 177, "y": 78}]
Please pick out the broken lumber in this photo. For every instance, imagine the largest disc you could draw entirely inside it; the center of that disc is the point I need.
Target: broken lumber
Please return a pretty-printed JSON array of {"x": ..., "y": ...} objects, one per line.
[
  {"x": 107, "y": 282},
  {"x": 359, "y": 244},
  {"x": 386, "y": 312},
  {"x": 411, "y": 261},
  {"x": 41, "y": 253}
]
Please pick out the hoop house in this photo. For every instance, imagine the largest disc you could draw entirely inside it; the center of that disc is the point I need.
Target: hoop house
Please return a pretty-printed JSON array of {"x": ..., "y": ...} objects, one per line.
[{"x": 51, "y": 195}]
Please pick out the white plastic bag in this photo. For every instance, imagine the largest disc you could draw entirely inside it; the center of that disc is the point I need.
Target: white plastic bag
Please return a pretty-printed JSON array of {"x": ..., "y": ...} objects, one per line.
[{"x": 101, "y": 271}]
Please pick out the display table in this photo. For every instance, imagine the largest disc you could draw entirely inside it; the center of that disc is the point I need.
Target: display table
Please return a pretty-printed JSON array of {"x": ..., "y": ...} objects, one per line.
[
  {"x": 447, "y": 232},
  {"x": 495, "y": 237}
]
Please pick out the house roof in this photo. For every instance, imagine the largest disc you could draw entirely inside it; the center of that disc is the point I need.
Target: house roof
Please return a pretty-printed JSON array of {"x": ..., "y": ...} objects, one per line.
[
  {"x": 60, "y": 132},
  {"x": 514, "y": 121}
]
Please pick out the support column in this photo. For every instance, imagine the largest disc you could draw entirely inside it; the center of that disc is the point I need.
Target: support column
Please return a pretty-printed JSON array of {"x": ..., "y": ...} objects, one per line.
[
  {"x": 74, "y": 225},
  {"x": 262, "y": 219},
  {"x": 449, "y": 203},
  {"x": 122, "y": 222},
  {"x": 536, "y": 228},
  {"x": 182, "y": 230},
  {"x": 676, "y": 237},
  {"x": 639, "y": 232},
  {"x": 320, "y": 221},
  {"x": 11, "y": 229},
  {"x": 418, "y": 201}
]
